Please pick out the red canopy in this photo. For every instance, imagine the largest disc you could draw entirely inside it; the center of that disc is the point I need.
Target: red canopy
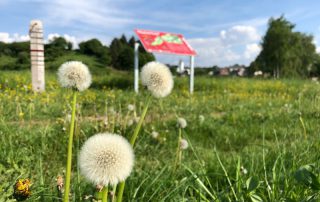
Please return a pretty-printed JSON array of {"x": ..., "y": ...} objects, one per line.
[{"x": 164, "y": 42}]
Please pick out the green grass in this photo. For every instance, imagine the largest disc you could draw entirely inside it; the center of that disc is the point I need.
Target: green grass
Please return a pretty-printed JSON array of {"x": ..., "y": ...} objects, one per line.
[{"x": 268, "y": 127}]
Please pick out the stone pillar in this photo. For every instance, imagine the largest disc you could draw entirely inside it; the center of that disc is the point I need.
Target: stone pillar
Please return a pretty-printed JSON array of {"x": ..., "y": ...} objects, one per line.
[{"x": 37, "y": 55}]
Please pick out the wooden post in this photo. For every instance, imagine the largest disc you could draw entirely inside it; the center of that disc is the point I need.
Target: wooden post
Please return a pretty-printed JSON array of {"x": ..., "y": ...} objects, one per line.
[{"x": 37, "y": 55}]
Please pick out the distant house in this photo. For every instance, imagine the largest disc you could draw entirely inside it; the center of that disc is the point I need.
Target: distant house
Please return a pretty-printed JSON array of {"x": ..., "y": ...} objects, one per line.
[
  {"x": 235, "y": 70},
  {"x": 224, "y": 71}
]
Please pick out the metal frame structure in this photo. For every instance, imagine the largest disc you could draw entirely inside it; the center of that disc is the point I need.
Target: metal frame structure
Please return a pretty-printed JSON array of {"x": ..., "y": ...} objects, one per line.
[{"x": 136, "y": 70}]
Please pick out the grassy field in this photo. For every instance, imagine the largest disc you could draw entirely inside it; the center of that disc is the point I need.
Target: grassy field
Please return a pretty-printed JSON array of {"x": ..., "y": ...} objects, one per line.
[{"x": 258, "y": 141}]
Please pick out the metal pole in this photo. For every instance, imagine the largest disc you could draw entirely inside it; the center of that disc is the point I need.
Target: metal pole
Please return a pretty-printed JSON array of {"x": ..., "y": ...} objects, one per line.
[
  {"x": 191, "y": 73},
  {"x": 136, "y": 67}
]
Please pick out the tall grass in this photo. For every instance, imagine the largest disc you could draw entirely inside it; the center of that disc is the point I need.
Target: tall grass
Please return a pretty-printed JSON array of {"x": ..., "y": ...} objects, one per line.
[{"x": 270, "y": 128}]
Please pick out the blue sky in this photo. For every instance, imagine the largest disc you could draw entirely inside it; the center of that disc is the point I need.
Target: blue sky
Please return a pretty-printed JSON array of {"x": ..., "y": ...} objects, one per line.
[{"x": 222, "y": 32}]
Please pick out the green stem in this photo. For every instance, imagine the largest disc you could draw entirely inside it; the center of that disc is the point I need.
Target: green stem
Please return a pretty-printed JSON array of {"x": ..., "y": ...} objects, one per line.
[
  {"x": 132, "y": 141},
  {"x": 137, "y": 129},
  {"x": 178, "y": 152},
  {"x": 105, "y": 194},
  {"x": 69, "y": 158},
  {"x": 120, "y": 192},
  {"x": 227, "y": 176},
  {"x": 114, "y": 190}
]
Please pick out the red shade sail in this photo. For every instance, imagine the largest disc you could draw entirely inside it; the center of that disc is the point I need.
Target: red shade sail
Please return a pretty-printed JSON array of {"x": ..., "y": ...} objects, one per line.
[{"x": 164, "y": 42}]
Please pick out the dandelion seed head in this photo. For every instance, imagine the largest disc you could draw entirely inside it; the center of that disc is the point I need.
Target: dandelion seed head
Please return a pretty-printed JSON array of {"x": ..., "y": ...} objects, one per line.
[
  {"x": 201, "y": 118},
  {"x": 243, "y": 170},
  {"x": 131, "y": 107},
  {"x": 59, "y": 182},
  {"x": 155, "y": 134},
  {"x": 106, "y": 159},
  {"x": 182, "y": 123},
  {"x": 184, "y": 144},
  {"x": 137, "y": 119},
  {"x": 130, "y": 122},
  {"x": 158, "y": 79},
  {"x": 74, "y": 74}
]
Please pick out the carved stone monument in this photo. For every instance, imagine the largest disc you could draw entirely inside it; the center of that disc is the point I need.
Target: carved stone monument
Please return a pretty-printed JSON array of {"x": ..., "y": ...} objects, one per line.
[{"x": 37, "y": 55}]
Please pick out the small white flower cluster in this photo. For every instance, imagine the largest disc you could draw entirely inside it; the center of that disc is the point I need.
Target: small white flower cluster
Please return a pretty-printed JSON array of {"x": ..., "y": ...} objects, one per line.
[
  {"x": 182, "y": 123},
  {"x": 158, "y": 79},
  {"x": 74, "y": 74},
  {"x": 106, "y": 159}
]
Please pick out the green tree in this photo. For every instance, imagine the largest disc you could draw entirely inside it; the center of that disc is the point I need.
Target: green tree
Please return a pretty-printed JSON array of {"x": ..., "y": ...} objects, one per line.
[
  {"x": 126, "y": 58},
  {"x": 95, "y": 48},
  {"x": 122, "y": 53},
  {"x": 56, "y": 48},
  {"x": 61, "y": 43},
  {"x": 116, "y": 47},
  {"x": 285, "y": 52}
]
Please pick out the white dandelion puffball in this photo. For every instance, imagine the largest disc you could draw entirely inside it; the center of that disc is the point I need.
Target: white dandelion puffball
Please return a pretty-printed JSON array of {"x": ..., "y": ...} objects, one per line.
[
  {"x": 74, "y": 74},
  {"x": 182, "y": 123},
  {"x": 131, "y": 107},
  {"x": 106, "y": 159},
  {"x": 184, "y": 144},
  {"x": 130, "y": 122},
  {"x": 158, "y": 79},
  {"x": 201, "y": 118},
  {"x": 155, "y": 134}
]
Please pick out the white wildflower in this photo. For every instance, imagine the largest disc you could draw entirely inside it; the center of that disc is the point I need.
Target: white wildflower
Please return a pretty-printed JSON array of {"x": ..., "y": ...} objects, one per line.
[
  {"x": 158, "y": 79},
  {"x": 155, "y": 134},
  {"x": 106, "y": 159},
  {"x": 184, "y": 144},
  {"x": 243, "y": 170},
  {"x": 112, "y": 110},
  {"x": 68, "y": 117},
  {"x": 130, "y": 122},
  {"x": 182, "y": 123},
  {"x": 201, "y": 118},
  {"x": 137, "y": 119},
  {"x": 74, "y": 74},
  {"x": 105, "y": 122},
  {"x": 131, "y": 107}
]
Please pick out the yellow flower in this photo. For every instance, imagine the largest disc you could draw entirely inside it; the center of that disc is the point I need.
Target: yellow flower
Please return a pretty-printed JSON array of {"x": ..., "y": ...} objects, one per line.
[
  {"x": 22, "y": 189},
  {"x": 21, "y": 114}
]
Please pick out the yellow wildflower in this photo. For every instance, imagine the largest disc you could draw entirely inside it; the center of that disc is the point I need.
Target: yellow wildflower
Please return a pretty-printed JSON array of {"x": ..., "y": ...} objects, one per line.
[{"x": 22, "y": 189}]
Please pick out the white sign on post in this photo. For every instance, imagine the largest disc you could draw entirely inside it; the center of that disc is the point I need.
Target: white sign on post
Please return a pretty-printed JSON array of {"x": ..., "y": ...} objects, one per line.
[{"x": 37, "y": 55}]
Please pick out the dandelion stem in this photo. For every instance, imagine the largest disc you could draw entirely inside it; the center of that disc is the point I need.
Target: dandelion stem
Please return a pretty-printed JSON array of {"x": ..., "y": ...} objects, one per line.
[
  {"x": 178, "y": 152},
  {"x": 120, "y": 192},
  {"x": 132, "y": 141},
  {"x": 69, "y": 158},
  {"x": 114, "y": 190},
  {"x": 227, "y": 176},
  {"x": 105, "y": 194},
  {"x": 137, "y": 129}
]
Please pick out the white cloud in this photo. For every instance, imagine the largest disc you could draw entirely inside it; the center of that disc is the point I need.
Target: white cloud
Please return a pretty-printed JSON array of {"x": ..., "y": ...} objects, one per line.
[
  {"x": 96, "y": 13},
  {"x": 238, "y": 44},
  {"x": 5, "y": 37},
  {"x": 252, "y": 50},
  {"x": 240, "y": 34}
]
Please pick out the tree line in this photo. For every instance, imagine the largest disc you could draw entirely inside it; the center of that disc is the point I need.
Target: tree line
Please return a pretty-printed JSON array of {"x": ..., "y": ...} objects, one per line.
[
  {"x": 119, "y": 55},
  {"x": 285, "y": 52}
]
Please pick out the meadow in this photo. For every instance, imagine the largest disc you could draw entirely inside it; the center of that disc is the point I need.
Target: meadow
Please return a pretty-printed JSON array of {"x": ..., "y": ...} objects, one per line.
[{"x": 249, "y": 139}]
